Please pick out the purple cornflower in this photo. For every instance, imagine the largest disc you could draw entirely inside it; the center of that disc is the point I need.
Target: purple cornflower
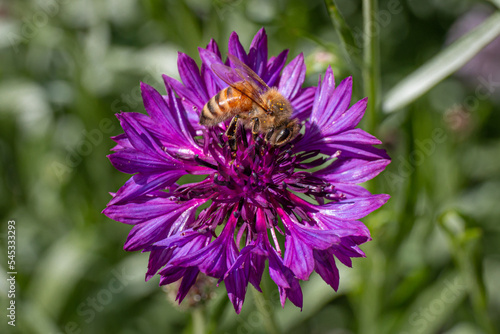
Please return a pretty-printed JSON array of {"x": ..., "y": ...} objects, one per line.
[{"x": 225, "y": 225}]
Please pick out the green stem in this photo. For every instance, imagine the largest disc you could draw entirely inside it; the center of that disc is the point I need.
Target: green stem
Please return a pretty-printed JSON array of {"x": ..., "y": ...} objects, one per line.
[
  {"x": 371, "y": 82},
  {"x": 265, "y": 308},
  {"x": 216, "y": 315},
  {"x": 466, "y": 251},
  {"x": 350, "y": 48},
  {"x": 369, "y": 307},
  {"x": 198, "y": 317},
  {"x": 371, "y": 68}
]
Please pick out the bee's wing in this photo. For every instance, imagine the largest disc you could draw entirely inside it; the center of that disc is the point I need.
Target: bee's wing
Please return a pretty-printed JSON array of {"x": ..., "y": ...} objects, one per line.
[
  {"x": 243, "y": 79},
  {"x": 247, "y": 73}
]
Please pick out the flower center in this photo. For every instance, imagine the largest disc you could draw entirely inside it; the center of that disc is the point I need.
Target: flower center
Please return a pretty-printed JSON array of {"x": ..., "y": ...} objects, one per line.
[{"x": 254, "y": 171}]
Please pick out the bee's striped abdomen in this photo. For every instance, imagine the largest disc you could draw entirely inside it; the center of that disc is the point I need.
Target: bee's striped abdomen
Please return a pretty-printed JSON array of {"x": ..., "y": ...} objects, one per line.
[
  {"x": 211, "y": 112},
  {"x": 226, "y": 103}
]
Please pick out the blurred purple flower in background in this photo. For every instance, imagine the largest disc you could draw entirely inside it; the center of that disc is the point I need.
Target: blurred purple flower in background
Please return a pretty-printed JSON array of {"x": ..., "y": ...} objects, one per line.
[{"x": 225, "y": 225}]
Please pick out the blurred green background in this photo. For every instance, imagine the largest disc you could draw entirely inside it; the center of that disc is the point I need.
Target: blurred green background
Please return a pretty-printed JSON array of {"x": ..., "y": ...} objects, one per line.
[{"x": 67, "y": 67}]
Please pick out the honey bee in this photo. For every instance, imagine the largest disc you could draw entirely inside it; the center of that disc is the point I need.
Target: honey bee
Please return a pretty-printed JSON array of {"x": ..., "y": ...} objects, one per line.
[{"x": 249, "y": 100}]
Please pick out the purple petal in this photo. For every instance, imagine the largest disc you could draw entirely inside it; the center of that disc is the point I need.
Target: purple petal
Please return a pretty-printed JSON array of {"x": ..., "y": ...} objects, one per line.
[
  {"x": 338, "y": 102},
  {"x": 252, "y": 257},
  {"x": 348, "y": 247},
  {"x": 355, "y": 150},
  {"x": 322, "y": 97},
  {"x": 354, "y": 229},
  {"x": 133, "y": 161},
  {"x": 173, "y": 218},
  {"x": 354, "y": 143},
  {"x": 168, "y": 115},
  {"x": 349, "y": 119},
  {"x": 147, "y": 208},
  {"x": 293, "y": 77},
  {"x": 190, "y": 76},
  {"x": 216, "y": 258},
  {"x": 213, "y": 47},
  {"x": 171, "y": 274},
  {"x": 356, "y": 136},
  {"x": 288, "y": 284},
  {"x": 302, "y": 103},
  {"x": 331, "y": 103},
  {"x": 352, "y": 170},
  {"x": 207, "y": 75},
  {"x": 122, "y": 141},
  {"x": 299, "y": 257},
  {"x": 274, "y": 67},
  {"x": 257, "y": 265},
  {"x": 210, "y": 83},
  {"x": 346, "y": 260},
  {"x": 351, "y": 190},
  {"x": 189, "y": 279},
  {"x": 236, "y": 284},
  {"x": 184, "y": 127},
  {"x": 209, "y": 58},
  {"x": 157, "y": 259},
  {"x": 183, "y": 91},
  {"x": 141, "y": 184},
  {"x": 324, "y": 265},
  {"x": 184, "y": 242},
  {"x": 354, "y": 208},
  {"x": 166, "y": 251},
  {"x": 235, "y": 48},
  {"x": 139, "y": 136},
  {"x": 257, "y": 55},
  {"x": 300, "y": 242}
]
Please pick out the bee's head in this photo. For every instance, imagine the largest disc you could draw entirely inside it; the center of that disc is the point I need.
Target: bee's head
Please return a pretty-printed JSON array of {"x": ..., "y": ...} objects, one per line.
[{"x": 283, "y": 133}]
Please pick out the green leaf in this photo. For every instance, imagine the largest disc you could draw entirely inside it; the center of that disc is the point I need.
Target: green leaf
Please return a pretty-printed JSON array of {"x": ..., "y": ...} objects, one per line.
[
  {"x": 496, "y": 3},
  {"x": 442, "y": 65}
]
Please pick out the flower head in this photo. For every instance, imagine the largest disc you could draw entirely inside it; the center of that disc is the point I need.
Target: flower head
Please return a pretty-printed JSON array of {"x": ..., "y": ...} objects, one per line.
[{"x": 228, "y": 224}]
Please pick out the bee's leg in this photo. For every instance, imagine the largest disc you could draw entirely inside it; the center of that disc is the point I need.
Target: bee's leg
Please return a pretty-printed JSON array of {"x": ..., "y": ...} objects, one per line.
[
  {"x": 255, "y": 127},
  {"x": 231, "y": 132}
]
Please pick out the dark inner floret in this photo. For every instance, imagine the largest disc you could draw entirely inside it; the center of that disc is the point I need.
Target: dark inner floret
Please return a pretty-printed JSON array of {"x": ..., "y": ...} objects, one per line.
[{"x": 255, "y": 176}]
